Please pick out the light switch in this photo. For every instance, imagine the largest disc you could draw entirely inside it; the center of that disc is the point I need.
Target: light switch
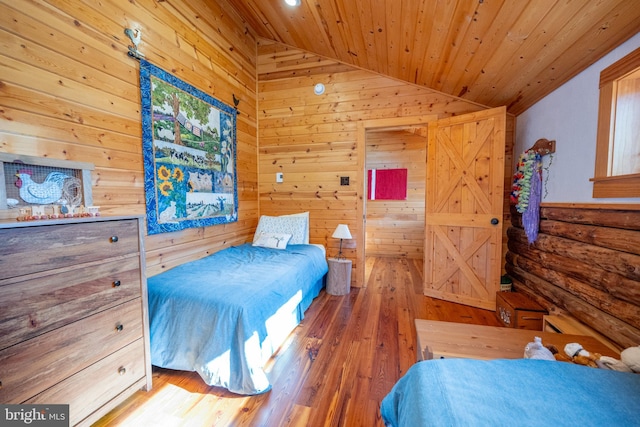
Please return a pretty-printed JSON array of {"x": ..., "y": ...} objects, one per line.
[{"x": 279, "y": 177}]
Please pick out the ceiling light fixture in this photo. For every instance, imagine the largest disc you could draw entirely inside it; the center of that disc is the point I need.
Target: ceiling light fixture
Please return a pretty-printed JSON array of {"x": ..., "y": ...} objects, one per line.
[
  {"x": 292, "y": 2},
  {"x": 318, "y": 89}
]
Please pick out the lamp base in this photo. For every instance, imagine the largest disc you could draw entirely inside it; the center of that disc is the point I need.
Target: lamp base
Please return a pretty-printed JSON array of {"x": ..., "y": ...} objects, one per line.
[{"x": 340, "y": 251}]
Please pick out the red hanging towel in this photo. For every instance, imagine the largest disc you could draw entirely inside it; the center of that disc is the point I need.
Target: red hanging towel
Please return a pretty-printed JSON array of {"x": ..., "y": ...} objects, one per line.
[{"x": 387, "y": 184}]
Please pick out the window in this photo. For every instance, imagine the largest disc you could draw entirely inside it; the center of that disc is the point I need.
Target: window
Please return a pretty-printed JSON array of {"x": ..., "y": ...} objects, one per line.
[{"x": 617, "y": 170}]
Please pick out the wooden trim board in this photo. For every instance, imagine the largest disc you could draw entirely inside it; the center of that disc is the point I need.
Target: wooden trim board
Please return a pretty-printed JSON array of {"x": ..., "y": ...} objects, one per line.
[{"x": 438, "y": 340}]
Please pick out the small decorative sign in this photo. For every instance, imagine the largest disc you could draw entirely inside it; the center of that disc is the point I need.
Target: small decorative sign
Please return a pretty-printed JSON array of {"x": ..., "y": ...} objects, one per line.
[{"x": 34, "y": 415}]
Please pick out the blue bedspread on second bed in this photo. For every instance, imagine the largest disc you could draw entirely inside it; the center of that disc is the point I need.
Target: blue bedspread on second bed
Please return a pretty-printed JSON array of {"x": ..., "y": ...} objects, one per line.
[
  {"x": 223, "y": 316},
  {"x": 514, "y": 392}
]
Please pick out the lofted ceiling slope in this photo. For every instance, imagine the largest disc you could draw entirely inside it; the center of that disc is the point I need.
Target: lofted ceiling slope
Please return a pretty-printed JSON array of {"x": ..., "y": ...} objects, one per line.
[{"x": 493, "y": 52}]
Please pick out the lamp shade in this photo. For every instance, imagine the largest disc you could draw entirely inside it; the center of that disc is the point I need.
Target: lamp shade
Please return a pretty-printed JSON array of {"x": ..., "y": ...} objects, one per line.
[{"x": 342, "y": 232}]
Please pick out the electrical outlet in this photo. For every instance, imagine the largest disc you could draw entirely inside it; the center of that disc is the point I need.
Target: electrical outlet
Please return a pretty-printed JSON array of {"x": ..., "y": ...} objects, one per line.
[
  {"x": 344, "y": 180},
  {"x": 279, "y": 177}
]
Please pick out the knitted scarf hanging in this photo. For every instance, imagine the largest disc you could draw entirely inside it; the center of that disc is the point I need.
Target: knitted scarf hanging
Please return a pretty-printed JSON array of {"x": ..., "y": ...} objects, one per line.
[
  {"x": 531, "y": 217},
  {"x": 526, "y": 192}
]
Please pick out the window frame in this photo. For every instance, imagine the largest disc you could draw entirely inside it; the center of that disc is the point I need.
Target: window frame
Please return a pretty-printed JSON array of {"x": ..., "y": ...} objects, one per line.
[{"x": 604, "y": 185}]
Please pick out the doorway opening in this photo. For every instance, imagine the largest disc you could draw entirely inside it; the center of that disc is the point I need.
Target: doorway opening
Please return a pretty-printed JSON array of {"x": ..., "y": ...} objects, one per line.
[
  {"x": 394, "y": 226},
  {"x": 382, "y": 135}
]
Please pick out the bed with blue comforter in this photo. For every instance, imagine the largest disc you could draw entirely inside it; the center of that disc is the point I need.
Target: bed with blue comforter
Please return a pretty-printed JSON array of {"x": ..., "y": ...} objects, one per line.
[
  {"x": 520, "y": 392},
  {"x": 225, "y": 315}
]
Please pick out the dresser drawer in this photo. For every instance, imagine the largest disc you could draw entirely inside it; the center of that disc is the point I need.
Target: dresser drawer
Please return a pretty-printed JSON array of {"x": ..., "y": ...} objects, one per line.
[
  {"x": 35, "y": 249},
  {"x": 96, "y": 385},
  {"x": 34, "y": 306},
  {"x": 32, "y": 366}
]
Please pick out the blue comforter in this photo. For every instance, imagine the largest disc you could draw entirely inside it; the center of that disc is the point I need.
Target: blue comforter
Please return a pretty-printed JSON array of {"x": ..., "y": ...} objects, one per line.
[
  {"x": 223, "y": 316},
  {"x": 522, "y": 392}
]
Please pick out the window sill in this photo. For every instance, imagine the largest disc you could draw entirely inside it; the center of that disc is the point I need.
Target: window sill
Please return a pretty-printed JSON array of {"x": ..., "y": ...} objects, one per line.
[{"x": 616, "y": 186}]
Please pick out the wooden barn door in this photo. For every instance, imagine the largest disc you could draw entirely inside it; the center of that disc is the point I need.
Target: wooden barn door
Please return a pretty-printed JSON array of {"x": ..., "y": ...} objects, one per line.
[{"x": 464, "y": 203}]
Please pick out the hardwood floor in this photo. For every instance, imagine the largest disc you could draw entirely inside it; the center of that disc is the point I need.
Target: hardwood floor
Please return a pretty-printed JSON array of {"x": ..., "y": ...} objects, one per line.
[{"x": 334, "y": 369}]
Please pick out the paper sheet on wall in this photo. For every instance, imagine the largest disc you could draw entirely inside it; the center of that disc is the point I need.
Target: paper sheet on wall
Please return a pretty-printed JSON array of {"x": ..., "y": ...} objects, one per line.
[{"x": 387, "y": 184}]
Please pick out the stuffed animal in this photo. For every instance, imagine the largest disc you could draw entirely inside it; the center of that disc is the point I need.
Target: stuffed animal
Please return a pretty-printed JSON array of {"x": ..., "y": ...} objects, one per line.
[
  {"x": 581, "y": 356},
  {"x": 535, "y": 350},
  {"x": 613, "y": 364},
  {"x": 629, "y": 361},
  {"x": 631, "y": 357}
]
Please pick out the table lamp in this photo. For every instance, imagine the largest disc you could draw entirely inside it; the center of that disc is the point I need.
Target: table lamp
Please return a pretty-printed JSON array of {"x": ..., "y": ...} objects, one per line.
[{"x": 342, "y": 232}]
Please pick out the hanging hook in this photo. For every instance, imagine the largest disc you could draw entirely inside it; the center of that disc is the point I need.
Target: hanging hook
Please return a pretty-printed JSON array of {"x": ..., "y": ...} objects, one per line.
[
  {"x": 236, "y": 101},
  {"x": 543, "y": 146},
  {"x": 135, "y": 36}
]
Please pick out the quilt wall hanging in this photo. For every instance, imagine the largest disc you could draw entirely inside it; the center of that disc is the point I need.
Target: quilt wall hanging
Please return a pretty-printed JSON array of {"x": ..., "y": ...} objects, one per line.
[{"x": 189, "y": 150}]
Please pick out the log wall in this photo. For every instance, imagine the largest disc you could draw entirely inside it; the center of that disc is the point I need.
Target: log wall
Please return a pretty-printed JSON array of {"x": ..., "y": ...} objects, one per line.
[
  {"x": 585, "y": 263},
  {"x": 68, "y": 90}
]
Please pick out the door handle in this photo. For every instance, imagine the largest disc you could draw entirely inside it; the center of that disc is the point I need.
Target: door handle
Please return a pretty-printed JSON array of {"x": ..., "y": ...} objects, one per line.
[{"x": 495, "y": 221}]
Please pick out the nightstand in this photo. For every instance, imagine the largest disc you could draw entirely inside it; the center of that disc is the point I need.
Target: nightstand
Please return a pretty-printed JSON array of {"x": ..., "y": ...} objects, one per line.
[{"x": 339, "y": 277}]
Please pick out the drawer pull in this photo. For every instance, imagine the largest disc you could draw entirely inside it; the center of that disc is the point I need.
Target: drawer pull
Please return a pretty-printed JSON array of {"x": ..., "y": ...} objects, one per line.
[
  {"x": 116, "y": 283},
  {"x": 114, "y": 239},
  {"x": 119, "y": 327},
  {"x": 122, "y": 370}
]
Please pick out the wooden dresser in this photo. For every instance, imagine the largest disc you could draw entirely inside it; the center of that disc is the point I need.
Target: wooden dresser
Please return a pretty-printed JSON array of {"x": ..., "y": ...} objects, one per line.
[{"x": 73, "y": 313}]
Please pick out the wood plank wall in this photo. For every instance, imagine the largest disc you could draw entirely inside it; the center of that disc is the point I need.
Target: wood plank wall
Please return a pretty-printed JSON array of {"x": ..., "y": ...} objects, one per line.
[
  {"x": 312, "y": 139},
  {"x": 585, "y": 263},
  {"x": 396, "y": 227},
  {"x": 69, "y": 91}
]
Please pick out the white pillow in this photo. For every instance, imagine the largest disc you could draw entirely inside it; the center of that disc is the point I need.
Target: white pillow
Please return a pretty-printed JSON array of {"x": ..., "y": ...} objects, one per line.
[
  {"x": 294, "y": 225},
  {"x": 272, "y": 240},
  {"x": 306, "y": 216}
]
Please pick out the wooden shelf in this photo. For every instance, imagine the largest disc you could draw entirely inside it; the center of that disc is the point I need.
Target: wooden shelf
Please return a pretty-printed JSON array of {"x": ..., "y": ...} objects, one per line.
[
  {"x": 568, "y": 325},
  {"x": 438, "y": 340}
]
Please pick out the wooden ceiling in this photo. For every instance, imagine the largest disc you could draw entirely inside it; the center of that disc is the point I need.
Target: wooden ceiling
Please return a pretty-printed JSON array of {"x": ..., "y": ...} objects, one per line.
[{"x": 493, "y": 52}]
